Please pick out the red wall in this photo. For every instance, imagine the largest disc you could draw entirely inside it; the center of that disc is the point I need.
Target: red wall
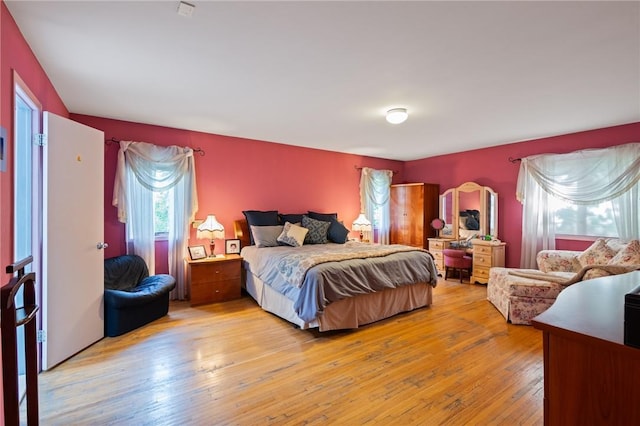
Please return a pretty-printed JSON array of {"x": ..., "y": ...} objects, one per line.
[
  {"x": 491, "y": 167},
  {"x": 15, "y": 54},
  {"x": 240, "y": 174}
]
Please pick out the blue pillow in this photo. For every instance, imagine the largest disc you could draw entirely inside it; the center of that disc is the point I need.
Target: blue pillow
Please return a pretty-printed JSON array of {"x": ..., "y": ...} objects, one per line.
[
  {"x": 260, "y": 218},
  {"x": 293, "y": 218},
  {"x": 337, "y": 233},
  {"x": 472, "y": 223},
  {"x": 326, "y": 217},
  {"x": 317, "y": 230}
]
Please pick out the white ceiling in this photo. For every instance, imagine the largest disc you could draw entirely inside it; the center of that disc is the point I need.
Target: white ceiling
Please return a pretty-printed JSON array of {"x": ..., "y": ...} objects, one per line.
[{"x": 321, "y": 74}]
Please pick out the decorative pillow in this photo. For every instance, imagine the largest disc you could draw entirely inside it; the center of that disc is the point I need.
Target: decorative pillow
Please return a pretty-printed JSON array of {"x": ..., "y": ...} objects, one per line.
[
  {"x": 292, "y": 235},
  {"x": 317, "y": 230},
  {"x": 260, "y": 218},
  {"x": 595, "y": 273},
  {"x": 293, "y": 218},
  {"x": 325, "y": 217},
  {"x": 472, "y": 223},
  {"x": 629, "y": 255},
  {"x": 266, "y": 236},
  {"x": 598, "y": 253},
  {"x": 338, "y": 233}
]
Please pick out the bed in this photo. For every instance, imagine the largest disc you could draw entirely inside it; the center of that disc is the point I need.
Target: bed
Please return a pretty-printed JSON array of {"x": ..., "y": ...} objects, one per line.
[{"x": 331, "y": 286}]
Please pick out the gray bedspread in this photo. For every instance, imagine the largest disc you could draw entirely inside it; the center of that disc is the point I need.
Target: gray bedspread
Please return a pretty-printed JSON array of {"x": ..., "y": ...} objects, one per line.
[{"x": 330, "y": 281}]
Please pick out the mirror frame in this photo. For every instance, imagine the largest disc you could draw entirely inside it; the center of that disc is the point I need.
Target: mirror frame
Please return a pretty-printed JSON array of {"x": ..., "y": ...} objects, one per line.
[{"x": 486, "y": 195}]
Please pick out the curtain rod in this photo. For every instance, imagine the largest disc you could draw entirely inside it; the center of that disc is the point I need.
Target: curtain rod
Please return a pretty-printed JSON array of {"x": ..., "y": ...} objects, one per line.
[
  {"x": 359, "y": 168},
  {"x": 111, "y": 141}
]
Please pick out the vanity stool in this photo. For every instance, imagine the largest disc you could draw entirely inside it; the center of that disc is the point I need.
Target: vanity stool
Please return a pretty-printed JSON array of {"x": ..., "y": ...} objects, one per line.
[{"x": 456, "y": 260}]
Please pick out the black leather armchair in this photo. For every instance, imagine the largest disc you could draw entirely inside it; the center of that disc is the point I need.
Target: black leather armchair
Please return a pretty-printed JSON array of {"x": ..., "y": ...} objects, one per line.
[{"x": 131, "y": 297}]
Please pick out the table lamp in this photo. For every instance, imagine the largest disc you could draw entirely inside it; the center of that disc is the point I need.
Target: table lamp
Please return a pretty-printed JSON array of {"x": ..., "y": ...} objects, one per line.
[
  {"x": 210, "y": 229},
  {"x": 361, "y": 224}
]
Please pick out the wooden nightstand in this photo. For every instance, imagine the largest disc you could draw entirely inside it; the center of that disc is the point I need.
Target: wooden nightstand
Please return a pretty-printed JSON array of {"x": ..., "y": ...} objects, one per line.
[{"x": 214, "y": 279}]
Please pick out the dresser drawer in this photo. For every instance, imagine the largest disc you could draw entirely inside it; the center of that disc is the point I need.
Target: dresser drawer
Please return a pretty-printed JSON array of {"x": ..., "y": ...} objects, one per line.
[
  {"x": 436, "y": 245},
  {"x": 481, "y": 273},
  {"x": 481, "y": 260},
  {"x": 479, "y": 249}
]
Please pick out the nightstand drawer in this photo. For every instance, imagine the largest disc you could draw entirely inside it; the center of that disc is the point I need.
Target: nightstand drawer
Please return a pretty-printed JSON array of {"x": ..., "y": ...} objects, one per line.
[
  {"x": 215, "y": 271},
  {"x": 218, "y": 291},
  {"x": 214, "y": 279}
]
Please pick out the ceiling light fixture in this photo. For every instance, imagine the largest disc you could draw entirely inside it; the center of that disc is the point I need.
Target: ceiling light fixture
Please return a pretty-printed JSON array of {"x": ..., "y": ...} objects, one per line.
[{"x": 397, "y": 115}]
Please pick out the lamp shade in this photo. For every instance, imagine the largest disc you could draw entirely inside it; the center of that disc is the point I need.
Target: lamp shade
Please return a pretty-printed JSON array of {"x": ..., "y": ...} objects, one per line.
[
  {"x": 210, "y": 228},
  {"x": 397, "y": 115},
  {"x": 361, "y": 223}
]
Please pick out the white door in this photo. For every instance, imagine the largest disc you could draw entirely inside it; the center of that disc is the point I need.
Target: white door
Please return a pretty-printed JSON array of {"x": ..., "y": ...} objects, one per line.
[{"x": 73, "y": 216}]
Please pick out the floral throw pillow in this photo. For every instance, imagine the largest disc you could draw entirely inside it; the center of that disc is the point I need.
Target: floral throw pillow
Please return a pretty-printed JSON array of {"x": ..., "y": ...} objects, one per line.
[
  {"x": 629, "y": 255},
  {"x": 599, "y": 253},
  {"x": 292, "y": 235}
]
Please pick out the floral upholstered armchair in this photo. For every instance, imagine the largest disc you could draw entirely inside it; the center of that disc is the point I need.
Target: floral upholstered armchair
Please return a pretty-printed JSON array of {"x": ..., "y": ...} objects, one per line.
[{"x": 521, "y": 294}]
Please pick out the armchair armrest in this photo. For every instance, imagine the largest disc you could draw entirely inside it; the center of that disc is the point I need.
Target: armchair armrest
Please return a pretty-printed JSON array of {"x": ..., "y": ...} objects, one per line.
[{"x": 558, "y": 261}]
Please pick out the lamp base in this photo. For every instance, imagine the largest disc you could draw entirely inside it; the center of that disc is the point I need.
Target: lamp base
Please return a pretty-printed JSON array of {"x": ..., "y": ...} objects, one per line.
[{"x": 212, "y": 248}]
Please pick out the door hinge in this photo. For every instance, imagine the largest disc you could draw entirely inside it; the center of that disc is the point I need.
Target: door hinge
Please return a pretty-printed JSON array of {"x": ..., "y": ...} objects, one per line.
[
  {"x": 41, "y": 336},
  {"x": 40, "y": 139}
]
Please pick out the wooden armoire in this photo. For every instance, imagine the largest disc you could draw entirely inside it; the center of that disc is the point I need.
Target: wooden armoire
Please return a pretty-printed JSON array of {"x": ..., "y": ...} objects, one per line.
[{"x": 413, "y": 207}]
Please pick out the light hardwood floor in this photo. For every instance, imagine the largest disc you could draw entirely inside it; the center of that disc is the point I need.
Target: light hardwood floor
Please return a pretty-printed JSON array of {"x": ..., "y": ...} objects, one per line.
[{"x": 456, "y": 362}]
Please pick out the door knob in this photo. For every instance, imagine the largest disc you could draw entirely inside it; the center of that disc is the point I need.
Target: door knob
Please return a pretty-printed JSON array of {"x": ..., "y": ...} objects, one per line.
[{"x": 102, "y": 245}]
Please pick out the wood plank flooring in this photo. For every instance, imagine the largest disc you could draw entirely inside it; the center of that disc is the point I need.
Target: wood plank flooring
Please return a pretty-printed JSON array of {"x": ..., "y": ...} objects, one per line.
[{"x": 457, "y": 362}]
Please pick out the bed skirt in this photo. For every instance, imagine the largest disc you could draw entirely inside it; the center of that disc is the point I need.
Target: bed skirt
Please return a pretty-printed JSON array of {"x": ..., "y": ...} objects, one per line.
[{"x": 346, "y": 313}]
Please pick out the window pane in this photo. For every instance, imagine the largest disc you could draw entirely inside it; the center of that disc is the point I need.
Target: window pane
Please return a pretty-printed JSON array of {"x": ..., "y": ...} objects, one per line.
[
  {"x": 161, "y": 212},
  {"x": 597, "y": 221}
]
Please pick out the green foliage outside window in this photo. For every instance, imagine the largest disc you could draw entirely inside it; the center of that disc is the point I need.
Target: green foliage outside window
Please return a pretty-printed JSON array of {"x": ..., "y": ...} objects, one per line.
[{"x": 161, "y": 212}]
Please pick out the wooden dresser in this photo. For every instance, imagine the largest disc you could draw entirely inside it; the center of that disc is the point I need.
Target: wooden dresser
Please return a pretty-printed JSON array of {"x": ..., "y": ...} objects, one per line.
[
  {"x": 486, "y": 254},
  {"x": 590, "y": 376},
  {"x": 413, "y": 207},
  {"x": 436, "y": 245},
  {"x": 214, "y": 279}
]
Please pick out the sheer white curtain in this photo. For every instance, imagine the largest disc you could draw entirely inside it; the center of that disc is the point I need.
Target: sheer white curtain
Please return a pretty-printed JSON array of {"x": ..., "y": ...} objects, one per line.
[
  {"x": 143, "y": 169},
  {"x": 587, "y": 177},
  {"x": 375, "y": 192}
]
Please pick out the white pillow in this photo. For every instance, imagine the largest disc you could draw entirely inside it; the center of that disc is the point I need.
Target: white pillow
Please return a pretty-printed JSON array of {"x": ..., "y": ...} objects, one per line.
[
  {"x": 266, "y": 236},
  {"x": 292, "y": 235}
]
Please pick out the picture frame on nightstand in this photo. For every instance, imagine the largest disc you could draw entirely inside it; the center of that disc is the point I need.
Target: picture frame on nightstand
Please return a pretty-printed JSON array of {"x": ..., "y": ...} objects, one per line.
[
  {"x": 232, "y": 246},
  {"x": 197, "y": 252}
]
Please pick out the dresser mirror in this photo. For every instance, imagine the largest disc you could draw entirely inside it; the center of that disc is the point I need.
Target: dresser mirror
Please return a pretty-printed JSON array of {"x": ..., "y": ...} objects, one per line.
[{"x": 469, "y": 211}]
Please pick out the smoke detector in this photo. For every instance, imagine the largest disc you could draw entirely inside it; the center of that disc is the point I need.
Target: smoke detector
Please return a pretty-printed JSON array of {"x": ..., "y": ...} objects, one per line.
[{"x": 185, "y": 9}]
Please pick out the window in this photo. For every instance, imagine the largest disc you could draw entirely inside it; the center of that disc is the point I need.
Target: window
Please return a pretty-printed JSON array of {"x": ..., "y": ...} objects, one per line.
[
  {"x": 161, "y": 214},
  {"x": 578, "y": 220}
]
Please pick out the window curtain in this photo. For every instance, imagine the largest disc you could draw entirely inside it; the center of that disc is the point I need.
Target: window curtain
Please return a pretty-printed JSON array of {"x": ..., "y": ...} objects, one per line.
[
  {"x": 375, "y": 192},
  {"x": 143, "y": 169},
  {"x": 587, "y": 177}
]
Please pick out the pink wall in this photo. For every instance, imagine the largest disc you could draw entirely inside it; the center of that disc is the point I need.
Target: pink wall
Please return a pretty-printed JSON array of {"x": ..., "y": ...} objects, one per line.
[
  {"x": 238, "y": 174},
  {"x": 15, "y": 54},
  {"x": 491, "y": 167}
]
